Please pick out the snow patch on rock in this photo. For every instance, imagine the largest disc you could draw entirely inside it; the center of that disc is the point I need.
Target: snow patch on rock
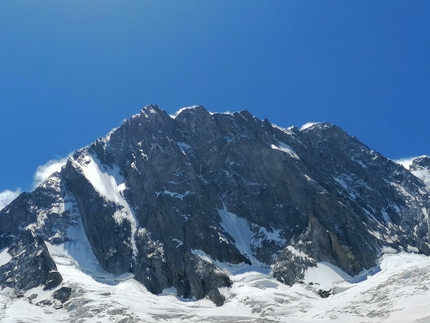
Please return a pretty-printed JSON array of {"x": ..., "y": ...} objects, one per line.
[{"x": 108, "y": 181}]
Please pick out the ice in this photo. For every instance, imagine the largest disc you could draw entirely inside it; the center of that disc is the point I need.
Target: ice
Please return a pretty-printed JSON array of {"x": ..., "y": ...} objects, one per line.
[
  {"x": 103, "y": 179},
  {"x": 324, "y": 275},
  {"x": 309, "y": 125},
  {"x": 108, "y": 181},
  {"x": 245, "y": 239},
  {"x": 407, "y": 162},
  {"x": 77, "y": 251},
  {"x": 285, "y": 148},
  {"x": 232, "y": 269},
  {"x": 4, "y": 256},
  {"x": 239, "y": 229},
  {"x": 392, "y": 260},
  {"x": 423, "y": 174},
  {"x": 170, "y": 291}
]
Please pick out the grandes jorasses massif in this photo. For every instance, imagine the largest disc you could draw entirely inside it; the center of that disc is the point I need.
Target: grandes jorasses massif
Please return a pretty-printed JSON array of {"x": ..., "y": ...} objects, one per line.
[{"x": 173, "y": 199}]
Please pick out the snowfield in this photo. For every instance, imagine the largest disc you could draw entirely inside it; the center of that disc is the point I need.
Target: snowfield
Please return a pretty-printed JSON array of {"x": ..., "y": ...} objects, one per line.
[{"x": 397, "y": 292}]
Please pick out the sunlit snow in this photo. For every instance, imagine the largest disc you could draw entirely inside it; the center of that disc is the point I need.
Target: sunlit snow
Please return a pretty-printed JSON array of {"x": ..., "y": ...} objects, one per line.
[
  {"x": 309, "y": 125},
  {"x": 285, "y": 148},
  {"x": 423, "y": 174},
  {"x": 406, "y": 162},
  {"x": 4, "y": 256},
  {"x": 396, "y": 293},
  {"x": 238, "y": 228},
  {"x": 324, "y": 275}
]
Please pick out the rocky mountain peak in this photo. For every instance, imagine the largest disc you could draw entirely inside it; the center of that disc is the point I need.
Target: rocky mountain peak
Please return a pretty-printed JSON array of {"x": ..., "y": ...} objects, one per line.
[
  {"x": 174, "y": 201},
  {"x": 420, "y": 167},
  {"x": 422, "y": 162}
]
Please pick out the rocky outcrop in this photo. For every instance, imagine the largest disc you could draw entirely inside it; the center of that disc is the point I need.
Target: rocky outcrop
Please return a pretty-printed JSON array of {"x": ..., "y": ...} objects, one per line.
[
  {"x": 48, "y": 211},
  {"x": 62, "y": 294},
  {"x": 170, "y": 199},
  {"x": 420, "y": 167},
  {"x": 422, "y": 162},
  {"x": 30, "y": 266}
]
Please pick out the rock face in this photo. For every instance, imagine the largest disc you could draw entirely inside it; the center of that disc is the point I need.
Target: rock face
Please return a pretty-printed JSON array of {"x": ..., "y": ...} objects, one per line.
[
  {"x": 420, "y": 167},
  {"x": 420, "y": 163},
  {"x": 62, "y": 294},
  {"x": 30, "y": 266},
  {"x": 171, "y": 198}
]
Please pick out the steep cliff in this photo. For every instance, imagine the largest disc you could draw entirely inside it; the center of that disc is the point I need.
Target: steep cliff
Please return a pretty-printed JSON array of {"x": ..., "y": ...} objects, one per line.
[{"x": 172, "y": 199}]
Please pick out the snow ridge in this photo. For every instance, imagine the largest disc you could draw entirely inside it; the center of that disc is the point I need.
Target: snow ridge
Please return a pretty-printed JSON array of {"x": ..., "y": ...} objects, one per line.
[{"x": 110, "y": 184}]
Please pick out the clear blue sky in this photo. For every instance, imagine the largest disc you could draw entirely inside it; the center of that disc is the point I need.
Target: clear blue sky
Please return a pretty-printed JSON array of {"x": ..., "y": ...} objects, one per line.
[{"x": 72, "y": 70}]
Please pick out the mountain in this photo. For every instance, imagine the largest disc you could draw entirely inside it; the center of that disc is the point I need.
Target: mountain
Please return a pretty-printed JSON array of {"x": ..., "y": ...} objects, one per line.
[
  {"x": 185, "y": 204},
  {"x": 420, "y": 167}
]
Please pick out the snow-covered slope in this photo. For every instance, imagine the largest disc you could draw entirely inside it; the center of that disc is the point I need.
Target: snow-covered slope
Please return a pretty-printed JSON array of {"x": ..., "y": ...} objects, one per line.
[
  {"x": 419, "y": 166},
  {"x": 397, "y": 292}
]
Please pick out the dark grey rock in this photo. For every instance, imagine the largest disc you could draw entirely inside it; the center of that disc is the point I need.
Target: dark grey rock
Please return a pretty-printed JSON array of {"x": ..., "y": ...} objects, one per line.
[
  {"x": 324, "y": 293},
  {"x": 62, "y": 294},
  {"x": 40, "y": 210},
  {"x": 31, "y": 297},
  {"x": 420, "y": 163},
  {"x": 108, "y": 238},
  {"x": 290, "y": 268},
  {"x": 53, "y": 280},
  {"x": 14, "y": 217},
  {"x": 31, "y": 264}
]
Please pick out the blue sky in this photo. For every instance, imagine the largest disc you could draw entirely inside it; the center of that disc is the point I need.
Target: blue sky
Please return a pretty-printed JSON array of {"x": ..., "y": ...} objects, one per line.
[{"x": 72, "y": 70}]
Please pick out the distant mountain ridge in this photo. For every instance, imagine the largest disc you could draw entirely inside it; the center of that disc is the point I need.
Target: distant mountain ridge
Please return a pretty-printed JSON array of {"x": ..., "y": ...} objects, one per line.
[{"x": 171, "y": 200}]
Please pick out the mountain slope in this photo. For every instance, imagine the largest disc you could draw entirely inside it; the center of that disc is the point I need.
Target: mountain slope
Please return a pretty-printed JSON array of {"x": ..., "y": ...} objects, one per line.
[
  {"x": 397, "y": 293},
  {"x": 174, "y": 201}
]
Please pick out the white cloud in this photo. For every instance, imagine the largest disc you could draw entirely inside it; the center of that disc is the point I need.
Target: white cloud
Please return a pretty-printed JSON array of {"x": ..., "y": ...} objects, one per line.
[
  {"x": 44, "y": 171},
  {"x": 406, "y": 162},
  {"x": 8, "y": 196}
]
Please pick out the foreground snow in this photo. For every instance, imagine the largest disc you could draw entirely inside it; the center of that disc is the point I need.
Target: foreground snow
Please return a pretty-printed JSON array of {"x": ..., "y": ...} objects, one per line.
[{"x": 398, "y": 292}]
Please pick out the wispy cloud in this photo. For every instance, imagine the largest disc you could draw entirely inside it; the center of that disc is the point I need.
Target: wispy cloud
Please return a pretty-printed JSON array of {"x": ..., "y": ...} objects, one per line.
[
  {"x": 406, "y": 162},
  {"x": 44, "y": 171},
  {"x": 8, "y": 196}
]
